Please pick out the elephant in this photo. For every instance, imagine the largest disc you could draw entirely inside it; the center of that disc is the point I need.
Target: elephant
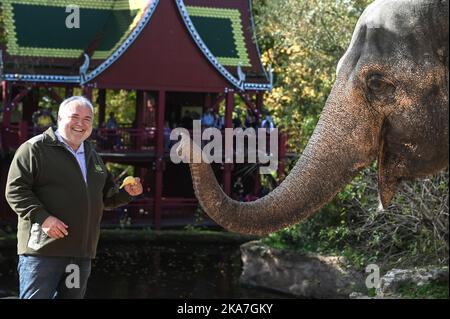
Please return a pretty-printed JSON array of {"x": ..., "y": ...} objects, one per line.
[{"x": 389, "y": 104}]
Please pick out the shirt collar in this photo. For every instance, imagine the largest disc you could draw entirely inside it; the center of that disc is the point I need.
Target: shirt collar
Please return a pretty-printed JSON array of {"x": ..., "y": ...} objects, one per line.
[{"x": 62, "y": 140}]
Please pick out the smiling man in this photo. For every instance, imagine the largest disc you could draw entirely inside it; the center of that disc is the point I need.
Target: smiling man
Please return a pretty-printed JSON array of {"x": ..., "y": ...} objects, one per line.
[{"x": 59, "y": 186}]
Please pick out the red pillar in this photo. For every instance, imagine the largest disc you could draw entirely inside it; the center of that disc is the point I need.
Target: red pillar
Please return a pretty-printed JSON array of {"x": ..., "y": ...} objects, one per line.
[
  {"x": 6, "y": 104},
  {"x": 101, "y": 100},
  {"x": 160, "y": 111},
  {"x": 259, "y": 104},
  {"x": 228, "y": 124},
  {"x": 141, "y": 98},
  {"x": 282, "y": 143},
  {"x": 69, "y": 91},
  {"x": 23, "y": 131},
  {"x": 87, "y": 92},
  {"x": 31, "y": 104},
  {"x": 208, "y": 102}
]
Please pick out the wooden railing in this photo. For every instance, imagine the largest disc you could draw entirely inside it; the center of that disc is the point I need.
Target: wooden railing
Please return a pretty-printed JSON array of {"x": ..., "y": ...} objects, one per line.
[{"x": 109, "y": 140}]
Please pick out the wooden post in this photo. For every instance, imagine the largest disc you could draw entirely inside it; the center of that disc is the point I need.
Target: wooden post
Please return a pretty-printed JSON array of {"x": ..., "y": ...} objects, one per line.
[
  {"x": 101, "y": 100},
  {"x": 141, "y": 98},
  {"x": 259, "y": 104},
  {"x": 282, "y": 143},
  {"x": 139, "y": 108},
  {"x": 69, "y": 91},
  {"x": 87, "y": 92},
  {"x": 6, "y": 106},
  {"x": 208, "y": 102},
  {"x": 160, "y": 111},
  {"x": 23, "y": 131},
  {"x": 257, "y": 185},
  {"x": 31, "y": 105},
  {"x": 258, "y": 114},
  {"x": 228, "y": 124},
  {"x": 54, "y": 95}
]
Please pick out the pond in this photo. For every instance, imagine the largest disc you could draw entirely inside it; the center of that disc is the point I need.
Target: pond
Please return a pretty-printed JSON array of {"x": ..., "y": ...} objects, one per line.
[{"x": 173, "y": 270}]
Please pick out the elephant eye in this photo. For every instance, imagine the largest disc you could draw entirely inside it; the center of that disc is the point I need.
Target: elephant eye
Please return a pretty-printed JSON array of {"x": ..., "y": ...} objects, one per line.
[{"x": 380, "y": 86}]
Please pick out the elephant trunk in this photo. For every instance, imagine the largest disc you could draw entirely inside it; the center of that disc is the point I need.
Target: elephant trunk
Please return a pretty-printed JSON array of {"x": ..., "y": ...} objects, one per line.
[{"x": 340, "y": 146}]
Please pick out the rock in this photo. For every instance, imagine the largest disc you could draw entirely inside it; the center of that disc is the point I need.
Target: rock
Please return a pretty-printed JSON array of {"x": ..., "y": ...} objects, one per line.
[
  {"x": 397, "y": 278},
  {"x": 302, "y": 274}
]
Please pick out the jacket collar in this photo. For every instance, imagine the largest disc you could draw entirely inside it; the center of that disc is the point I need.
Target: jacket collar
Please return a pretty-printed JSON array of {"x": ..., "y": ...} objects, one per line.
[{"x": 50, "y": 138}]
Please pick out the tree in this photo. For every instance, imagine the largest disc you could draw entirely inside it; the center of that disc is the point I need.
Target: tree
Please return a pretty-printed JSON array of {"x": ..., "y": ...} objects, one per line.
[{"x": 303, "y": 41}]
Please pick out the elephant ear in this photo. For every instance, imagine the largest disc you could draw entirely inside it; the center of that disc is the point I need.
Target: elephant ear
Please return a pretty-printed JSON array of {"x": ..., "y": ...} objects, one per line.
[{"x": 388, "y": 167}]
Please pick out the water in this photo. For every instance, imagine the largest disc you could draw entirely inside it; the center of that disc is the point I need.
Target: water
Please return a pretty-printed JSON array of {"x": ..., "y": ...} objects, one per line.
[{"x": 175, "y": 270}]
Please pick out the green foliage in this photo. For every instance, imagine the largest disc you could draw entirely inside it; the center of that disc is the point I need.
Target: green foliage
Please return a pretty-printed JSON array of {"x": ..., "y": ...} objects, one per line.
[
  {"x": 371, "y": 292},
  {"x": 303, "y": 41},
  {"x": 433, "y": 290},
  {"x": 123, "y": 104},
  {"x": 413, "y": 231}
]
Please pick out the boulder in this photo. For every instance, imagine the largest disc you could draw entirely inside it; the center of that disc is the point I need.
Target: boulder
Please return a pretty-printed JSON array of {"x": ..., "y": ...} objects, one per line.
[
  {"x": 305, "y": 275},
  {"x": 395, "y": 279}
]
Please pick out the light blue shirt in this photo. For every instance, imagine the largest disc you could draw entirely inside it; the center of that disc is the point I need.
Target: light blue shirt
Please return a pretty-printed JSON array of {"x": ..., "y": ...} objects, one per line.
[{"x": 79, "y": 154}]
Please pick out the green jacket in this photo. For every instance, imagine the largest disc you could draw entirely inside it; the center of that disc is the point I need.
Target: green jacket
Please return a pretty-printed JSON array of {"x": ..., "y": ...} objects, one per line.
[{"x": 44, "y": 180}]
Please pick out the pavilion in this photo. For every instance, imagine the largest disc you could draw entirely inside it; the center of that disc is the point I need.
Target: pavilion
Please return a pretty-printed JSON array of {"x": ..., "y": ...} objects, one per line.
[{"x": 176, "y": 55}]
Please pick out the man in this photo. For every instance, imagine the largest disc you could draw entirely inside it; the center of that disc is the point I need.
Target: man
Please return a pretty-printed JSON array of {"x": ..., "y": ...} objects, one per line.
[{"x": 58, "y": 186}]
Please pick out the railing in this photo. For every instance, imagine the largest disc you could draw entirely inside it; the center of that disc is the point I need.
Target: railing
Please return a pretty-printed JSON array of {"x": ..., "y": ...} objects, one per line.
[{"x": 124, "y": 140}]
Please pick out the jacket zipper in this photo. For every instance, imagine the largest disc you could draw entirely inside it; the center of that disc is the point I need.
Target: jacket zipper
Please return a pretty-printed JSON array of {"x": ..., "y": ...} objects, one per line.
[{"x": 86, "y": 240}]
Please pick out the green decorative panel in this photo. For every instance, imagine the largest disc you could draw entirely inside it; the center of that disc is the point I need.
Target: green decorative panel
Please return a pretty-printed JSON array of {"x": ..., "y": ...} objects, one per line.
[
  {"x": 221, "y": 31},
  {"x": 38, "y": 27}
]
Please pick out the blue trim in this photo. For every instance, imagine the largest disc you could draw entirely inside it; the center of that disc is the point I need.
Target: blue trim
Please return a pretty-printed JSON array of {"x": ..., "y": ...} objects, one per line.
[
  {"x": 211, "y": 58},
  {"x": 256, "y": 42},
  {"x": 133, "y": 36},
  {"x": 41, "y": 78},
  {"x": 257, "y": 86}
]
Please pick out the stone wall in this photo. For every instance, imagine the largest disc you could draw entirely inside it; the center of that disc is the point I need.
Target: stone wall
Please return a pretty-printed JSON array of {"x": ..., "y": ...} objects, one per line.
[{"x": 304, "y": 275}]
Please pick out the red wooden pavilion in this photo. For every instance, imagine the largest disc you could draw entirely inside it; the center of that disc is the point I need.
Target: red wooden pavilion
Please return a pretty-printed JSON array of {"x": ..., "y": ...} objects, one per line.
[{"x": 176, "y": 55}]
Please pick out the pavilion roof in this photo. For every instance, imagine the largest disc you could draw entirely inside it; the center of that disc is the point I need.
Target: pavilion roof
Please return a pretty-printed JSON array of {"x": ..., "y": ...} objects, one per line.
[{"x": 39, "y": 45}]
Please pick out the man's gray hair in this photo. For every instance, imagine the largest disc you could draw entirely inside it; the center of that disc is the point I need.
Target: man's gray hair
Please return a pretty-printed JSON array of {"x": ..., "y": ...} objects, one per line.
[{"x": 80, "y": 99}]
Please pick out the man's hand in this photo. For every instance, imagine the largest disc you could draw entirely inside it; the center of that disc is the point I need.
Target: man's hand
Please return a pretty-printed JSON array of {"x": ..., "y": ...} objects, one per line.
[
  {"x": 54, "y": 228},
  {"x": 134, "y": 189}
]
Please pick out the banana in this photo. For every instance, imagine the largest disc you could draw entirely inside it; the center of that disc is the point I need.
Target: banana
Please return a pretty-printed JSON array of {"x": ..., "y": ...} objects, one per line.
[{"x": 128, "y": 180}]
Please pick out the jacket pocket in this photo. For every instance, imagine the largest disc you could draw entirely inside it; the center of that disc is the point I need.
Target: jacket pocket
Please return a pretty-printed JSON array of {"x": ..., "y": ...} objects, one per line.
[{"x": 38, "y": 238}]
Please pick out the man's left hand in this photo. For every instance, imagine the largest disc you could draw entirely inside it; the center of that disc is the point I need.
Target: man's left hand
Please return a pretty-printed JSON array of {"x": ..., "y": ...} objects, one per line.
[{"x": 134, "y": 189}]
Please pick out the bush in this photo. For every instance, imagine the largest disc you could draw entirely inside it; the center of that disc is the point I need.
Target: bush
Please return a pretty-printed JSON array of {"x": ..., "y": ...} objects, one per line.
[{"x": 412, "y": 231}]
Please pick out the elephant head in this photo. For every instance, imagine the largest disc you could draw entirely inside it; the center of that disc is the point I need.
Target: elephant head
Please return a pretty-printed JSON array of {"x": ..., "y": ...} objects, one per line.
[{"x": 389, "y": 103}]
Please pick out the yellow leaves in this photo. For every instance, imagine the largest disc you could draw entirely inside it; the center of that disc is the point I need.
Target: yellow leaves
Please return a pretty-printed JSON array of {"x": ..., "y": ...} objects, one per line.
[
  {"x": 309, "y": 92},
  {"x": 286, "y": 98},
  {"x": 292, "y": 50},
  {"x": 287, "y": 79},
  {"x": 266, "y": 57}
]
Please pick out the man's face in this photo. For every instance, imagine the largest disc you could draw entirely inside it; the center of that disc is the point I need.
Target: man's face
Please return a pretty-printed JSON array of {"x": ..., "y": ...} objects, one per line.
[{"x": 75, "y": 123}]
